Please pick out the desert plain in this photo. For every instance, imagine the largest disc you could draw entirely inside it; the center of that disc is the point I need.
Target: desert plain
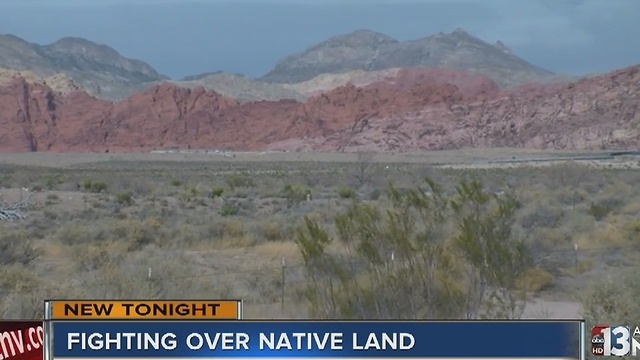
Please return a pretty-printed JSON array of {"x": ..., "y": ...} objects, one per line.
[{"x": 225, "y": 225}]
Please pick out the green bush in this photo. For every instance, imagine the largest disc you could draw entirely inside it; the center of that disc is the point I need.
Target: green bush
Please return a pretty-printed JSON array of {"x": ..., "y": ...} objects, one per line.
[
  {"x": 229, "y": 209},
  {"x": 216, "y": 192},
  {"x": 399, "y": 257},
  {"x": 125, "y": 198},
  {"x": 94, "y": 186},
  {"x": 295, "y": 194},
  {"x": 599, "y": 211},
  {"x": 346, "y": 193},
  {"x": 239, "y": 180}
]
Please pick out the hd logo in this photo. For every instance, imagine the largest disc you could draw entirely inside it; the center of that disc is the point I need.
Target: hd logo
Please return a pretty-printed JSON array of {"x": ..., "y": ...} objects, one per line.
[{"x": 614, "y": 341}]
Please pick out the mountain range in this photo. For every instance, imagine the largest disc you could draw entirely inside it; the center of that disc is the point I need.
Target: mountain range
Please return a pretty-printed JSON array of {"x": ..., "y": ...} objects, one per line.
[
  {"x": 369, "y": 51},
  {"x": 358, "y": 91},
  {"x": 103, "y": 72}
]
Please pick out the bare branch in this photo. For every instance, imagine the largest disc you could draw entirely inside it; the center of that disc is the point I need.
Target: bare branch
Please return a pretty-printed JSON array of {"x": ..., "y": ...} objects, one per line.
[{"x": 15, "y": 211}]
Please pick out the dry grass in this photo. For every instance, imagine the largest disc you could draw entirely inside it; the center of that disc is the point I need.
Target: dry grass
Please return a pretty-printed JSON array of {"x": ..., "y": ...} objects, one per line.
[{"x": 196, "y": 241}]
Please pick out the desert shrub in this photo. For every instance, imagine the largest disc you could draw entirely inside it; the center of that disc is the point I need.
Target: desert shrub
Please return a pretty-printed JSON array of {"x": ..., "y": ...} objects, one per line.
[
  {"x": 613, "y": 202},
  {"x": 234, "y": 234},
  {"x": 99, "y": 187},
  {"x": 21, "y": 293},
  {"x": 402, "y": 248},
  {"x": 17, "y": 247},
  {"x": 272, "y": 231},
  {"x": 216, "y": 192},
  {"x": 550, "y": 238},
  {"x": 176, "y": 182},
  {"x": 233, "y": 229},
  {"x": 544, "y": 216},
  {"x": 599, "y": 211},
  {"x": 125, "y": 198},
  {"x": 137, "y": 234},
  {"x": 75, "y": 232},
  {"x": 346, "y": 193},
  {"x": 610, "y": 235},
  {"x": 189, "y": 194},
  {"x": 96, "y": 256},
  {"x": 496, "y": 256},
  {"x": 229, "y": 209},
  {"x": 52, "y": 181},
  {"x": 239, "y": 180},
  {"x": 632, "y": 230},
  {"x": 294, "y": 194},
  {"x": 570, "y": 196},
  {"x": 583, "y": 266},
  {"x": 94, "y": 186},
  {"x": 535, "y": 280},
  {"x": 613, "y": 300}
]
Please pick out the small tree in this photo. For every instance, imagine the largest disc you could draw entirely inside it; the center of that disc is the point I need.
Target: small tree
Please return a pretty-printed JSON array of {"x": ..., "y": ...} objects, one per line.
[{"x": 364, "y": 165}]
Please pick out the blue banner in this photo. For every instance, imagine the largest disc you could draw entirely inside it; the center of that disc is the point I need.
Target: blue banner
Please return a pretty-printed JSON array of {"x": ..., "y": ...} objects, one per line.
[{"x": 319, "y": 339}]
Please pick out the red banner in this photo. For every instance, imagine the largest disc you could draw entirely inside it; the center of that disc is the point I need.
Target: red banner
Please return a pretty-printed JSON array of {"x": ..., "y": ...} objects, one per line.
[{"x": 21, "y": 340}]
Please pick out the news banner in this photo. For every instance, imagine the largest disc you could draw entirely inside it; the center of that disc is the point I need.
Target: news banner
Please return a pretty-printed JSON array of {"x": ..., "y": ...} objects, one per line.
[{"x": 180, "y": 330}]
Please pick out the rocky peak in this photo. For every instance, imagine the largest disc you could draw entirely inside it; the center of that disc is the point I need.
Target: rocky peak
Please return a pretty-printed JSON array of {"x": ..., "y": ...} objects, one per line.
[
  {"x": 460, "y": 32},
  {"x": 361, "y": 37},
  {"x": 100, "y": 53},
  {"x": 461, "y": 36},
  {"x": 83, "y": 47},
  {"x": 502, "y": 47}
]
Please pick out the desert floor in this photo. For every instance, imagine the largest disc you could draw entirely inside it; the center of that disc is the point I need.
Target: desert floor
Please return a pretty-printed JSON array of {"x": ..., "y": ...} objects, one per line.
[{"x": 223, "y": 225}]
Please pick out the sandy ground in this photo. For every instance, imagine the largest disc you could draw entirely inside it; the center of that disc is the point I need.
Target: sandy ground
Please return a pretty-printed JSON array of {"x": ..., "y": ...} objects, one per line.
[
  {"x": 462, "y": 156},
  {"x": 545, "y": 309}
]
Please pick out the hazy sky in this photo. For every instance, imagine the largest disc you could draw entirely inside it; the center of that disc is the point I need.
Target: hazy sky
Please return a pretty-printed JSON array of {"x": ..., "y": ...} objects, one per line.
[{"x": 185, "y": 37}]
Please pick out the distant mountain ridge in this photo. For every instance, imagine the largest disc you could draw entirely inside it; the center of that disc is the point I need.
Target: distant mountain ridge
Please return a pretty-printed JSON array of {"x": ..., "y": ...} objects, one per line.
[
  {"x": 360, "y": 56},
  {"x": 97, "y": 68},
  {"x": 368, "y": 50}
]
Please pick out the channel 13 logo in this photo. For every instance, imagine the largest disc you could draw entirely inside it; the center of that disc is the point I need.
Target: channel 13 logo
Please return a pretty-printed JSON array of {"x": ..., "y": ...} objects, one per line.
[{"x": 614, "y": 340}]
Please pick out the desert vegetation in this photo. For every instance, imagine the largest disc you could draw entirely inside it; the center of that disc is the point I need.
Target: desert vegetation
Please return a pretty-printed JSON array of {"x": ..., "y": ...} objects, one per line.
[{"x": 324, "y": 240}]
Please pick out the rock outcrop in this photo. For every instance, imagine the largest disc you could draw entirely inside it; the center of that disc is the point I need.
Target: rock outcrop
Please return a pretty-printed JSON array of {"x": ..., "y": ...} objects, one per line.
[
  {"x": 416, "y": 109},
  {"x": 58, "y": 82},
  {"x": 240, "y": 87}
]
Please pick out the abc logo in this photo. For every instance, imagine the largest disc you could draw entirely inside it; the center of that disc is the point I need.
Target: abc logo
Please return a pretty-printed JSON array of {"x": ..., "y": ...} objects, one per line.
[{"x": 597, "y": 345}]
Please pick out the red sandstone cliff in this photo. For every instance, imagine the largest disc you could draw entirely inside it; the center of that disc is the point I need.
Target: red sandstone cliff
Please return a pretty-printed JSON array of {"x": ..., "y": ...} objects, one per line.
[{"x": 417, "y": 109}]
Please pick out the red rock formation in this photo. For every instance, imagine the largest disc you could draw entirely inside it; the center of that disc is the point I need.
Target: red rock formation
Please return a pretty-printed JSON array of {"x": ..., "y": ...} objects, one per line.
[
  {"x": 438, "y": 109},
  {"x": 597, "y": 113}
]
